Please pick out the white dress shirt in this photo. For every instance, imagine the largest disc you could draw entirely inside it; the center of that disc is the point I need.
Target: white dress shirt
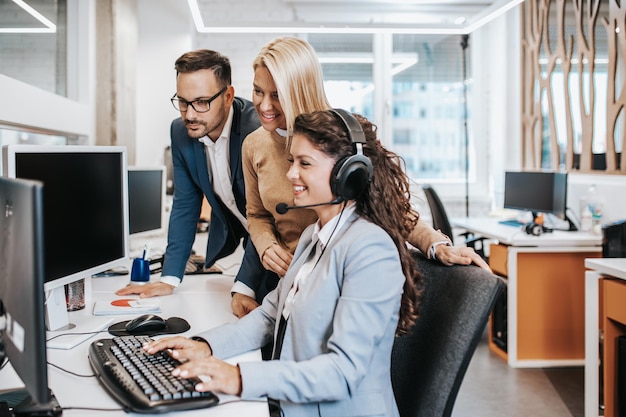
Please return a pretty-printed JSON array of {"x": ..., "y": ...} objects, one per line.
[
  {"x": 322, "y": 238},
  {"x": 218, "y": 162}
]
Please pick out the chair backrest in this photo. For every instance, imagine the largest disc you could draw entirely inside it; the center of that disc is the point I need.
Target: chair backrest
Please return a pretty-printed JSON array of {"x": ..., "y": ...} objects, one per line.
[
  {"x": 437, "y": 211},
  {"x": 429, "y": 363}
]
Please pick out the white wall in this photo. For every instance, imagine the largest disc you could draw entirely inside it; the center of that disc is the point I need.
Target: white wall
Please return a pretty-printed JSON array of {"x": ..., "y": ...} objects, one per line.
[{"x": 165, "y": 31}]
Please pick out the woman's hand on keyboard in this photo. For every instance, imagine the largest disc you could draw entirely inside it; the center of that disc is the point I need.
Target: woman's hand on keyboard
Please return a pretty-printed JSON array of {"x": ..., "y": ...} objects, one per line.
[
  {"x": 222, "y": 377},
  {"x": 180, "y": 348},
  {"x": 198, "y": 361}
]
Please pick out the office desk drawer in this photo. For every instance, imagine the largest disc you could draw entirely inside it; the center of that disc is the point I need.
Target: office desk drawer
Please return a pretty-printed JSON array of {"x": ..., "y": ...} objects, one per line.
[
  {"x": 498, "y": 255},
  {"x": 614, "y": 295}
]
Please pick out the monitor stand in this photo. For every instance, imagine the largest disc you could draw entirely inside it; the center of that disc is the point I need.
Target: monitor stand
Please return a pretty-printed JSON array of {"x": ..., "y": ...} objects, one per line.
[
  {"x": 63, "y": 334},
  {"x": 572, "y": 226},
  {"x": 19, "y": 403}
]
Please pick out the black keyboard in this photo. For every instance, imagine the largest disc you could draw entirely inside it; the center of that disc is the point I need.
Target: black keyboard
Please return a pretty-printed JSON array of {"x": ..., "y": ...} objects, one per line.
[{"x": 142, "y": 382}]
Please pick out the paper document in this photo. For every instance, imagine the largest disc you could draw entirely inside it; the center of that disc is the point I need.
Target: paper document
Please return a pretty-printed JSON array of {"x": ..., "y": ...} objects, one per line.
[{"x": 126, "y": 306}]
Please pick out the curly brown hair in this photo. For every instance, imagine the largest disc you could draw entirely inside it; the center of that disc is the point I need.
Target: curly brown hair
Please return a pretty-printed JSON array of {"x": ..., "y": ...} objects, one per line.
[{"x": 385, "y": 202}]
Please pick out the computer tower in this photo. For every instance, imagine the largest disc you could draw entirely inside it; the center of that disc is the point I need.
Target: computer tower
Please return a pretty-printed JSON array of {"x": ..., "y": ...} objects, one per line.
[
  {"x": 499, "y": 333},
  {"x": 614, "y": 239}
]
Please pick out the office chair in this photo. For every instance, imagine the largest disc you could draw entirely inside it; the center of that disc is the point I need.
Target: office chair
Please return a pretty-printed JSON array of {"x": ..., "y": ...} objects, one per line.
[
  {"x": 429, "y": 363},
  {"x": 442, "y": 223}
]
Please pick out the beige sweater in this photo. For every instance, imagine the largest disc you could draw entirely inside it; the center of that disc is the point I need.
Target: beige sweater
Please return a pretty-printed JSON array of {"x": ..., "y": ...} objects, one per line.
[{"x": 265, "y": 166}]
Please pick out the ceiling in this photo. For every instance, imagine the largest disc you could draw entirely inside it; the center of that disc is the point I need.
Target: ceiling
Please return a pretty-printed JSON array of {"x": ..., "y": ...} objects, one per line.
[
  {"x": 345, "y": 16},
  {"x": 297, "y": 16}
]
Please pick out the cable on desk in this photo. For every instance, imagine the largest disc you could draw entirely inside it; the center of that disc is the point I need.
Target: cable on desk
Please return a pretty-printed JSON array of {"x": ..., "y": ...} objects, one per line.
[
  {"x": 94, "y": 409},
  {"x": 70, "y": 372},
  {"x": 77, "y": 334}
]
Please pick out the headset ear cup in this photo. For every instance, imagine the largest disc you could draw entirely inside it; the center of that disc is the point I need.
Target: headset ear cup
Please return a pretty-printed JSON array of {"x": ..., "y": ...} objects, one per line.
[
  {"x": 3, "y": 352},
  {"x": 534, "y": 229},
  {"x": 351, "y": 176}
]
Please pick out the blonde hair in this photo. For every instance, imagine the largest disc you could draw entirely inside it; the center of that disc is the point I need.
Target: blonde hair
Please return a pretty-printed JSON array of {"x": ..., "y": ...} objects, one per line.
[{"x": 297, "y": 73}]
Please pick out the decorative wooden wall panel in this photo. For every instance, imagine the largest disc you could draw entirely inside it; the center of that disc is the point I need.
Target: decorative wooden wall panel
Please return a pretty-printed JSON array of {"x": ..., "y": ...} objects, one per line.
[{"x": 567, "y": 41}]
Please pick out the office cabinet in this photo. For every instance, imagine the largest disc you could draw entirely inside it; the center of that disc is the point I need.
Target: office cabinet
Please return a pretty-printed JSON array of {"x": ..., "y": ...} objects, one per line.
[
  {"x": 545, "y": 304},
  {"x": 614, "y": 325},
  {"x": 605, "y": 292}
]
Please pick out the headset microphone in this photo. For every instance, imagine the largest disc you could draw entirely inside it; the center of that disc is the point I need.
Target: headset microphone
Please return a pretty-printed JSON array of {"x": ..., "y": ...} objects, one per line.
[{"x": 282, "y": 208}]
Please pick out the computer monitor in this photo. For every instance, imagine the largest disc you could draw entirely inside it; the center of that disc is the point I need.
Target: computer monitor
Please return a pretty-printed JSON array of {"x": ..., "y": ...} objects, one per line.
[
  {"x": 537, "y": 192},
  {"x": 85, "y": 220},
  {"x": 22, "y": 295},
  {"x": 146, "y": 200}
]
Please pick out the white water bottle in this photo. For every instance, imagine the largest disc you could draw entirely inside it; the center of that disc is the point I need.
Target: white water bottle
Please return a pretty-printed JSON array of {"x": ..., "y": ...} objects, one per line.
[{"x": 586, "y": 219}]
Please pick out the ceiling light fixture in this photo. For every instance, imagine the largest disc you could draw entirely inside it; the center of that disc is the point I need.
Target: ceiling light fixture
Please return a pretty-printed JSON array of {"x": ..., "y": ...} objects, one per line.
[
  {"x": 490, "y": 13},
  {"x": 402, "y": 62},
  {"x": 49, "y": 26},
  {"x": 469, "y": 25}
]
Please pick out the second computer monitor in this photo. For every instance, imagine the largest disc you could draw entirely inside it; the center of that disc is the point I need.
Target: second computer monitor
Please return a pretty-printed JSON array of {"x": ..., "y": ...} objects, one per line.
[
  {"x": 537, "y": 192},
  {"x": 146, "y": 200}
]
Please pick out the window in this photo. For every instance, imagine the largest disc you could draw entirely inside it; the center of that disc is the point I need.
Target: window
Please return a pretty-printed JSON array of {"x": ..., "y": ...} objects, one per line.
[
  {"x": 428, "y": 100},
  {"x": 427, "y": 113},
  {"x": 38, "y": 59}
]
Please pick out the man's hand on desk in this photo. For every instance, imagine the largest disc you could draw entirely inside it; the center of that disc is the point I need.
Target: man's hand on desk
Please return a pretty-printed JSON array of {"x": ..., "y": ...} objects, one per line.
[
  {"x": 461, "y": 255},
  {"x": 152, "y": 289},
  {"x": 198, "y": 361},
  {"x": 242, "y": 304}
]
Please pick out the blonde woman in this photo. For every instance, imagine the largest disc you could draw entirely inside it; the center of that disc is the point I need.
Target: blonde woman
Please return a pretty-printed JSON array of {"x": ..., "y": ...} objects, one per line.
[{"x": 288, "y": 82}]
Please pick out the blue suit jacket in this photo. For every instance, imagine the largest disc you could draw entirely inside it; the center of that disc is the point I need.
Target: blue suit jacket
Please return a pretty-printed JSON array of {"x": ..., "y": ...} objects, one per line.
[
  {"x": 191, "y": 182},
  {"x": 336, "y": 355}
]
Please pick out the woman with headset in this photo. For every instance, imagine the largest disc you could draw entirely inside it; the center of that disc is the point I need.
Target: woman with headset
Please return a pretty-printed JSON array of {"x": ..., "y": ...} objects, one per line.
[
  {"x": 350, "y": 288},
  {"x": 287, "y": 82}
]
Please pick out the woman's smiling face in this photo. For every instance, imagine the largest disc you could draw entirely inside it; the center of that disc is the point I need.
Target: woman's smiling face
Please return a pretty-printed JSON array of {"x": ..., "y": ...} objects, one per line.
[
  {"x": 265, "y": 99},
  {"x": 310, "y": 177}
]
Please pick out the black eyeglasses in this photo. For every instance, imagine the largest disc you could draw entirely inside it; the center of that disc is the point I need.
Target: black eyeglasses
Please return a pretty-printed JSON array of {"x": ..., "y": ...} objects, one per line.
[{"x": 200, "y": 106}]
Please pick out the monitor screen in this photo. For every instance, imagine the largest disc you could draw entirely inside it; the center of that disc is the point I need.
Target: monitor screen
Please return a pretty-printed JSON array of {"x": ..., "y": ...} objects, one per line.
[
  {"x": 85, "y": 211},
  {"x": 538, "y": 192},
  {"x": 21, "y": 289},
  {"x": 146, "y": 200}
]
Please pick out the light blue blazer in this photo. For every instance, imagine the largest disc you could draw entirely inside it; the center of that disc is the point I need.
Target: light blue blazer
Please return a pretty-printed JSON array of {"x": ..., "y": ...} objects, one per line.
[{"x": 336, "y": 354}]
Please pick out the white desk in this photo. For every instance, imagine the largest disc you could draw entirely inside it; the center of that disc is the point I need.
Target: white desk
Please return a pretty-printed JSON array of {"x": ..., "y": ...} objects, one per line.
[
  {"x": 516, "y": 236},
  {"x": 545, "y": 291},
  {"x": 203, "y": 300},
  {"x": 614, "y": 268}
]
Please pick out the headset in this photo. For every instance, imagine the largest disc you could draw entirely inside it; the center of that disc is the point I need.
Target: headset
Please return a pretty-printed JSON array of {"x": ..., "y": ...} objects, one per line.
[
  {"x": 536, "y": 229},
  {"x": 352, "y": 174},
  {"x": 533, "y": 228},
  {"x": 3, "y": 325}
]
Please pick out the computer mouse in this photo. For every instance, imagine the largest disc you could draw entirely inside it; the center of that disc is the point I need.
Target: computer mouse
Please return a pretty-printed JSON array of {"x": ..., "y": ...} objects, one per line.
[{"x": 145, "y": 323}]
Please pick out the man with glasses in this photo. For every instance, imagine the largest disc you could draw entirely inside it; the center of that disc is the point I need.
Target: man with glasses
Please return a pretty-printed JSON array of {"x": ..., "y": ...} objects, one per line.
[{"x": 206, "y": 155}]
